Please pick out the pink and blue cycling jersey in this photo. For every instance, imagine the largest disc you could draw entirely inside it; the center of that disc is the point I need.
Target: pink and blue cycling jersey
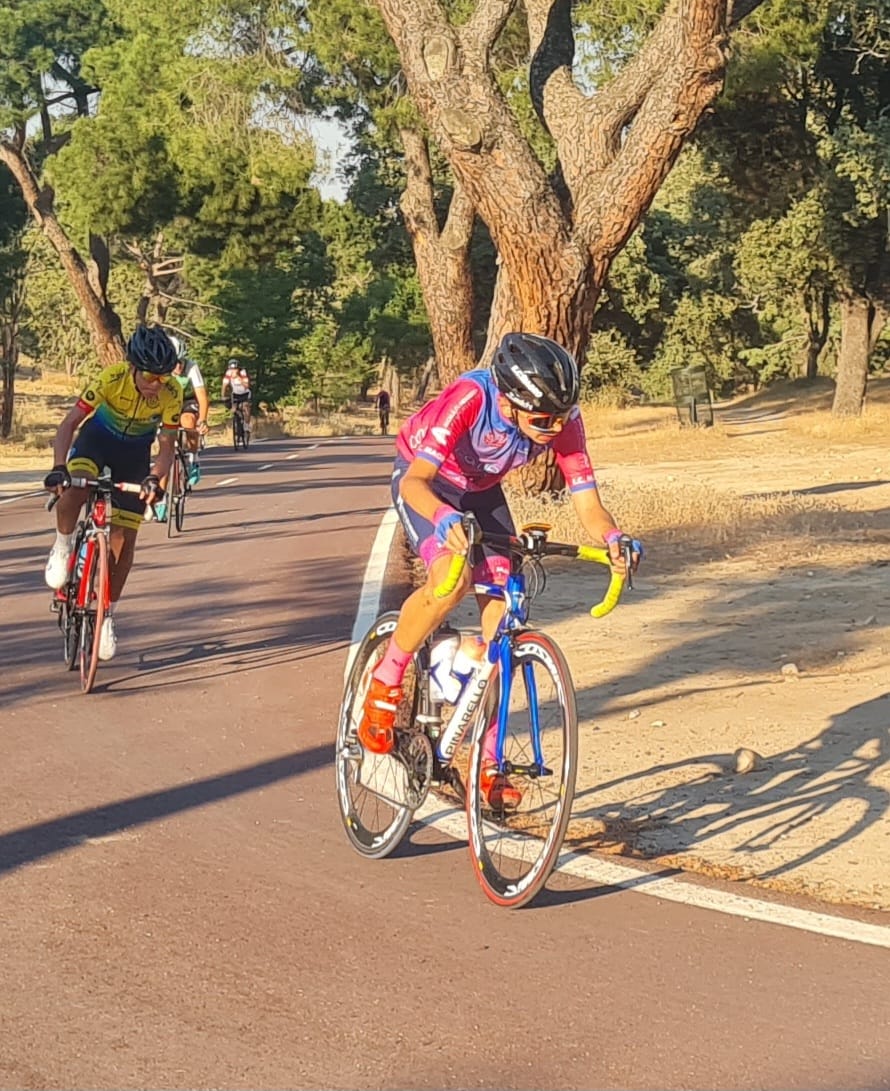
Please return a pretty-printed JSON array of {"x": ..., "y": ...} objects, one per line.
[{"x": 465, "y": 435}]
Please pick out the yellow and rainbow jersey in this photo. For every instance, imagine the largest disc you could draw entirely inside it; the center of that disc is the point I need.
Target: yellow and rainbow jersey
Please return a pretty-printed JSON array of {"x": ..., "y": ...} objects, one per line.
[{"x": 118, "y": 407}]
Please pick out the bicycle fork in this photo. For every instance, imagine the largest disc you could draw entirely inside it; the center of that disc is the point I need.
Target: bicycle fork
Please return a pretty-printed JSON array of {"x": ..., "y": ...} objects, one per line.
[{"x": 537, "y": 768}]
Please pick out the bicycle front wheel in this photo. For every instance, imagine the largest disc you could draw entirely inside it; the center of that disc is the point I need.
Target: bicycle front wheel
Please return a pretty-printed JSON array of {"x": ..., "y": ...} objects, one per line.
[
  {"x": 96, "y": 577},
  {"x": 69, "y": 626},
  {"x": 370, "y": 786},
  {"x": 517, "y": 814},
  {"x": 175, "y": 495}
]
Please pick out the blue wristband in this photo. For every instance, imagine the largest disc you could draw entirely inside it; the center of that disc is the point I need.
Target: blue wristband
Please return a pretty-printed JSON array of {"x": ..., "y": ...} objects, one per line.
[{"x": 445, "y": 524}]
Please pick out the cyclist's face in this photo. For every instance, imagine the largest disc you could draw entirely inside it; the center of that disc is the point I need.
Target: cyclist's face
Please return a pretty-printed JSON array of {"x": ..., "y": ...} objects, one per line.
[{"x": 146, "y": 383}]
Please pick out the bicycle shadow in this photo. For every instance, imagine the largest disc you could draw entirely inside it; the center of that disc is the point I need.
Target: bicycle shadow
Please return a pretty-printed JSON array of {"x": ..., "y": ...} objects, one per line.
[{"x": 795, "y": 787}]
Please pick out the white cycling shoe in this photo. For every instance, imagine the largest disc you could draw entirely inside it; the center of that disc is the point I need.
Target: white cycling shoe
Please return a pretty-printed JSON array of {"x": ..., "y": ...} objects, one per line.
[
  {"x": 107, "y": 640},
  {"x": 56, "y": 571}
]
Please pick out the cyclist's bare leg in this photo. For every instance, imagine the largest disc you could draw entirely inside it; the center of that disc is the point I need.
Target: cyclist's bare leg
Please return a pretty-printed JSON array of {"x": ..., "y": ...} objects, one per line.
[
  {"x": 189, "y": 422},
  {"x": 422, "y": 612},
  {"x": 123, "y": 549},
  {"x": 68, "y": 509},
  {"x": 490, "y": 613}
]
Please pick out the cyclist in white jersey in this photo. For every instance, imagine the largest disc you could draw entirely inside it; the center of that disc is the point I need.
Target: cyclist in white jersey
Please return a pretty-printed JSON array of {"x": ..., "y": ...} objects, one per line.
[
  {"x": 236, "y": 390},
  {"x": 195, "y": 410}
]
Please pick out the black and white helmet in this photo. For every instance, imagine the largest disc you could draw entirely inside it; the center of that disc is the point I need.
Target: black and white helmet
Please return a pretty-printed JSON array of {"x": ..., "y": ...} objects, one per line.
[
  {"x": 151, "y": 350},
  {"x": 535, "y": 373}
]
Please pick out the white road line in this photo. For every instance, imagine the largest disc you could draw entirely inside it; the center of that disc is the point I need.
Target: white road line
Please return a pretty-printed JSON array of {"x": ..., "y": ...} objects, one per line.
[
  {"x": 268, "y": 466},
  {"x": 227, "y": 481},
  {"x": 24, "y": 496},
  {"x": 593, "y": 868},
  {"x": 289, "y": 457},
  {"x": 372, "y": 584},
  {"x": 314, "y": 445}
]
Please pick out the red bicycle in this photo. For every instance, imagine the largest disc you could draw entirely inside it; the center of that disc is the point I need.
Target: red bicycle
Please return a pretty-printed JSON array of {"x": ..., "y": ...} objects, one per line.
[{"x": 83, "y": 600}]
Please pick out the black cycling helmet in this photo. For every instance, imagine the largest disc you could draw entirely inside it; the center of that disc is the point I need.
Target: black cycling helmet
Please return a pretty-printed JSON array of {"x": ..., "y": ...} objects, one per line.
[
  {"x": 535, "y": 373},
  {"x": 151, "y": 350}
]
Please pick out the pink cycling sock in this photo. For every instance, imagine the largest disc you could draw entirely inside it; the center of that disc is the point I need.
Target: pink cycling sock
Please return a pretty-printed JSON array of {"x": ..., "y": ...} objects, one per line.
[
  {"x": 490, "y": 743},
  {"x": 391, "y": 668}
]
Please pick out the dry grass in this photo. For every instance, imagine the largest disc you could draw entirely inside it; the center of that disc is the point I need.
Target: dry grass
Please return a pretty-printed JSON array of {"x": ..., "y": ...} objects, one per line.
[{"x": 680, "y": 516}]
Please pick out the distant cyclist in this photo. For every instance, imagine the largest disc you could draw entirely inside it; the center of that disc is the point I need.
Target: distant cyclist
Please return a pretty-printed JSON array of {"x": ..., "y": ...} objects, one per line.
[
  {"x": 382, "y": 405},
  {"x": 195, "y": 410},
  {"x": 115, "y": 421},
  {"x": 236, "y": 390}
]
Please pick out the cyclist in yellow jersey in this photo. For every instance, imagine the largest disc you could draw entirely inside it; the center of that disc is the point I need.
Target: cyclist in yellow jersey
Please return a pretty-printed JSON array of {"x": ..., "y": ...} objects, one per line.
[{"x": 115, "y": 421}]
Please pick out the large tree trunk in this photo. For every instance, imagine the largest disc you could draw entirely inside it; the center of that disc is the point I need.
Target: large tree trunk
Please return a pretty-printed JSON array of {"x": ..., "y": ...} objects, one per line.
[
  {"x": 556, "y": 236},
  {"x": 103, "y": 322},
  {"x": 852, "y": 361},
  {"x": 442, "y": 258},
  {"x": 9, "y": 351}
]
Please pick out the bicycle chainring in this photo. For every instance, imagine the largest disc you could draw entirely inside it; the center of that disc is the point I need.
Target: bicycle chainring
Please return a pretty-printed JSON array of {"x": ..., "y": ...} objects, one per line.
[{"x": 416, "y": 753}]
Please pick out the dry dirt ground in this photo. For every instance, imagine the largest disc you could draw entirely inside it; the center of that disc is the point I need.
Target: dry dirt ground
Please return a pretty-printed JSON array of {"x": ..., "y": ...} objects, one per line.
[{"x": 779, "y": 647}]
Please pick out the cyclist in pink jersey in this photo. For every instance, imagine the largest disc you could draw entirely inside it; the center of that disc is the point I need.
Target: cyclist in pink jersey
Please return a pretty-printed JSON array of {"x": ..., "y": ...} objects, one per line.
[{"x": 451, "y": 457}]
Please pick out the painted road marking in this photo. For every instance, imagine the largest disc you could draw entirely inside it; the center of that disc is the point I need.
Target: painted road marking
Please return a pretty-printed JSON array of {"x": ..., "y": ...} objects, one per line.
[
  {"x": 227, "y": 481},
  {"x": 267, "y": 466},
  {"x": 592, "y": 868},
  {"x": 372, "y": 584},
  {"x": 289, "y": 457}
]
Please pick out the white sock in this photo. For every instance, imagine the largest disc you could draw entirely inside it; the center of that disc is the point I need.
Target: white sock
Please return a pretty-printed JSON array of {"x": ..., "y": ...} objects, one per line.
[{"x": 64, "y": 542}]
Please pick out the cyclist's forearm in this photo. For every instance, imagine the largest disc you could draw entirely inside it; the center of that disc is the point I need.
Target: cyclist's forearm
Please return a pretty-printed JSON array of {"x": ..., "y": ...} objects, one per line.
[
  {"x": 203, "y": 403},
  {"x": 596, "y": 519},
  {"x": 418, "y": 495},
  {"x": 164, "y": 460}
]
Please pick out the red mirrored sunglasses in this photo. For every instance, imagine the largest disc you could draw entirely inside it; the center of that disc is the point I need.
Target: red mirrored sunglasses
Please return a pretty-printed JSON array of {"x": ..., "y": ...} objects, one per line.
[{"x": 547, "y": 422}]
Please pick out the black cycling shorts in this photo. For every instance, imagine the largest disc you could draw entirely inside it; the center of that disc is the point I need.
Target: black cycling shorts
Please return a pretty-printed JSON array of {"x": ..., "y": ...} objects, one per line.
[{"x": 128, "y": 460}]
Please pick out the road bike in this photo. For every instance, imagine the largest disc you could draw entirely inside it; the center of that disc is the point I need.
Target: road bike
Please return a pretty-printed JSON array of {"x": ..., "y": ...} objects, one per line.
[
  {"x": 83, "y": 600},
  {"x": 178, "y": 486},
  {"x": 518, "y": 711},
  {"x": 240, "y": 431}
]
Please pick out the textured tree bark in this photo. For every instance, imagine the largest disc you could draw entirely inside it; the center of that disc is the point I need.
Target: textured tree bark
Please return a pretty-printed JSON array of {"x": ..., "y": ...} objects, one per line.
[
  {"x": 103, "y": 322},
  {"x": 852, "y": 360},
  {"x": 443, "y": 259},
  {"x": 9, "y": 353},
  {"x": 556, "y": 236}
]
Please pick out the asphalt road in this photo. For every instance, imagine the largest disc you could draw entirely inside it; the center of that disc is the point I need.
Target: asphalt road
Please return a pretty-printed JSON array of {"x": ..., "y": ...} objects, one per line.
[{"x": 181, "y": 909}]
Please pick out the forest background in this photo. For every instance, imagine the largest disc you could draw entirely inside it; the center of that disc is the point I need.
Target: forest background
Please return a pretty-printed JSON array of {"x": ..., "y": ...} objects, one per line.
[{"x": 157, "y": 164}]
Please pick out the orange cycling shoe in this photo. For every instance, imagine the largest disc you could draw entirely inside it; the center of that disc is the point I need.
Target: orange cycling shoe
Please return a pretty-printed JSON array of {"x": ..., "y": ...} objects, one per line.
[
  {"x": 377, "y": 732},
  {"x": 498, "y": 791}
]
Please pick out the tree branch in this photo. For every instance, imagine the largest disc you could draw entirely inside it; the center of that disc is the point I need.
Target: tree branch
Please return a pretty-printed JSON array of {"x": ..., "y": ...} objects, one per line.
[{"x": 484, "y": 26}]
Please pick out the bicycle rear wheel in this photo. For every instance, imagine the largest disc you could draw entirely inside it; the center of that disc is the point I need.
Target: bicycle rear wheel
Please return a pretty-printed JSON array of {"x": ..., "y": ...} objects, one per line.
[
  {"x": 245, "y": 434},
  {"x": 514, "y": 844},
  {"x": 237, "y": 429},
  {"x": 175, "y": 495},
  {"x": 369, "y": 786},
  {"x": 96, "y": 577}
]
